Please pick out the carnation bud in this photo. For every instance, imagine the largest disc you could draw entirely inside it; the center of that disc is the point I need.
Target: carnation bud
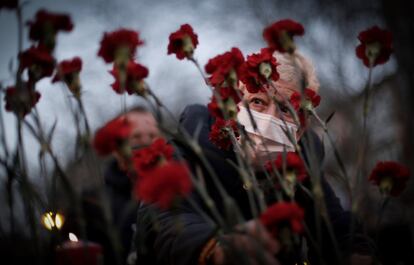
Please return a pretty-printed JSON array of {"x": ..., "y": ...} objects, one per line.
[
  {"x": 372, "y": 51},
  {"x": 285, "y": 237},
  {"x": 286, "y": 41},
  {"x": 265, "y": 70},
  {"x": 231, "y": 80},
  {"x": 122, "y": 77},
  {"x": 291, "y": 182},
  {"x": 124, "y": 149},
  {"x": 386, "y": 185},
  {"x": 188, "y": 46},
  {"x": 291, "y": 176},
  {"x": 49, "y": 37},
  {"x": 231, "y": 108},
  {"x": 307, "y": 105},
  {"x": 35, "y": 72},
  {"x": 122, "y": 55},
  {"x": 140, "y": 88},
  {"x": 73, "y": 82}
]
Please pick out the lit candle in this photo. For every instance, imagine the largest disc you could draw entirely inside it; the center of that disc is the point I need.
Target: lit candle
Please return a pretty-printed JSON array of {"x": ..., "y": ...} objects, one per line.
[
  {"x": 77, "y": 252},
  {"x": 51, "y": 220}
]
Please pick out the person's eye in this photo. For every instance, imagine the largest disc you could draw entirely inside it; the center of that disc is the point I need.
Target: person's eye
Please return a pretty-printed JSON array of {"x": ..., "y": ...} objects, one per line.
[
  {"x": 284, "y": 108},
  {"x": 257, "y": 101}
]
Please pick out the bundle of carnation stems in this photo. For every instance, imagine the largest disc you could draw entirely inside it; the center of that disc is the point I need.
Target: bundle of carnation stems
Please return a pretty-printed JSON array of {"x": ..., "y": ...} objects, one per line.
[{"x": 161, "y": 177}]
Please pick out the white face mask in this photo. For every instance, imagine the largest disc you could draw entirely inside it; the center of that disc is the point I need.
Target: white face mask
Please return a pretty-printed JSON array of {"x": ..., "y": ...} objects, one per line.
[{"x": 270, "y": 134}]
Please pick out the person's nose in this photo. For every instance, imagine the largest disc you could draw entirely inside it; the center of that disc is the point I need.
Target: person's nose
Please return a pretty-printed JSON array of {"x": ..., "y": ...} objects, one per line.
[
  {"x": 145, "y": 140},
  {"x": 272, "y": 109}
]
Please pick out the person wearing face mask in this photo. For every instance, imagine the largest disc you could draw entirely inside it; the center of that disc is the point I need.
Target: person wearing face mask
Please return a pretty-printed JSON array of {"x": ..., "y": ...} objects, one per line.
[{"x": 196, "y": 242}]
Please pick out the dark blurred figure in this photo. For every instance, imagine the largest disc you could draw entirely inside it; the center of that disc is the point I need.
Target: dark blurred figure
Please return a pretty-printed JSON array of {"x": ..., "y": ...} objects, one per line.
[{"x": 119, "y": 185}]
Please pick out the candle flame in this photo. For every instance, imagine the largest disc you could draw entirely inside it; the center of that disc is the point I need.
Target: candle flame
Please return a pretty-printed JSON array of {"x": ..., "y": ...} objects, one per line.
[
  {"x": 73, "y": 237},
  {"x": 52, "y": 220},
  {"x": 58, "y": 221}
]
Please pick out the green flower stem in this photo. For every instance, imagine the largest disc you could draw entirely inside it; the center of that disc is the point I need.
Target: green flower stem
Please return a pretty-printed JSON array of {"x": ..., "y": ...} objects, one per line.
[
  {"x": 367, "y": 91},
  {"x": 192, "y": 59},
  {"x": 245, "y": 179},
  {"x": 384, "y": 203},
  {"x": 314, "y": 172},
  {"x": 26, "y": 189},
  {"x": 361, "y": 155},
  {"x": 72, "y": 110},
  {"x": 85, "y": 117},
  {"x": 338, "y": 158}
]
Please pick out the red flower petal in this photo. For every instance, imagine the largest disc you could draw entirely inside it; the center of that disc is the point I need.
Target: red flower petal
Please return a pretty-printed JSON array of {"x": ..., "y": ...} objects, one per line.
[
  {"x": 120, "y": 38},
  {"x": 396, "y": 172},
  {"x": 298, "y": 101},
  {"x": 150, "y": 157},
  {"x": 164, "y": 183},
  {"x": 21, "y": 101},
  {"x": 220, "y": 133},
  {"x": 109, "y": 138},
  {"x": 135, "y": 73},
  {"x": 374, "y": 36},
  {"x": 67, "y": 67},
  {"x": 176, "y": 44},
  {"x": 251, "y": 74},
  {"x": 47, "y": 24},
  {"x": 221, "y": 66},
  {"x": 276, "y": 32},
  {"x": 39, "y": 62},
  {"x": 282, "y": 212},
  {"x": 230, "y": 99},
  {"x": 293, "y": 162}
]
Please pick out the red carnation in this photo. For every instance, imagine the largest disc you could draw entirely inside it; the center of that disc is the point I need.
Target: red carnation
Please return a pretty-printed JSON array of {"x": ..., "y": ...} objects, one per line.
[
  {"x": 9, "y": 4},
  {"x": 46, "y": 25},
  {"x": 282, "y": 213},
  {"x": 164, "y": 183},
  {"x": 112, "y": 137},
  {"x": 375, "y": 47},
  {"x": 310, "y": 101},
  {"x": 293, "y": 164},
  {"x": 21, "y": 100},
  {"x": 225, "y": 68},
  {"x": 279, "y": 35},
  {"x": 119, "y": 46},
  {"x": 148, "y": 158},
  {"x": 390, "y": 176},
  {"x": 38, "y": 61},
  {"x": 183, "y": 42},
  {"x": 306, "y": 104},
  {"x": 68, "y": 71},
  {"x": 258, "y": 69},
  {"x": 220, "y": 133},
  {"x": 67, "y": 68},
  {"x": 135, "y": 73},
  {"x": 230, "y": 98}
]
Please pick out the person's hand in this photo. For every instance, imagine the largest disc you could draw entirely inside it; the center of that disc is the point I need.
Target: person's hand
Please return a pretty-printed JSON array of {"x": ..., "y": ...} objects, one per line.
[{"x": 253, "y": 242}]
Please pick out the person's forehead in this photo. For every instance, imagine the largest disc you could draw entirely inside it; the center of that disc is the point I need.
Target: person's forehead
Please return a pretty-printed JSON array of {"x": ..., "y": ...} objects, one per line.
[
  {"x": 141, "y": 118},
  {"x": 279, "y": 92}
]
